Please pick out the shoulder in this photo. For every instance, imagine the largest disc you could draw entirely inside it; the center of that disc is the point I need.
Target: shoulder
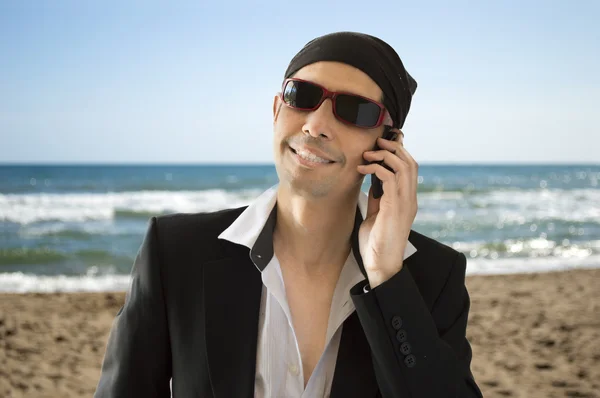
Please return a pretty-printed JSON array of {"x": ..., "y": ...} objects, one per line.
[
  {"x": 435, "y": 266},
  {"x": 183, "y": 233},
  {"x": 181, "y": 225},
  {"x": 431, "y": 248}
]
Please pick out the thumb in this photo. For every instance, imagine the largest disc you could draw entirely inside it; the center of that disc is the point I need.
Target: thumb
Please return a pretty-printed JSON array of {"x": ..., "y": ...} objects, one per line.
[{"x": 373, "y": 204}]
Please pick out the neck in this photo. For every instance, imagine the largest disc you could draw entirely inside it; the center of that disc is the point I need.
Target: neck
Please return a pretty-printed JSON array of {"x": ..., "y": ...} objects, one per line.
[{"x": 314, "y": 234}]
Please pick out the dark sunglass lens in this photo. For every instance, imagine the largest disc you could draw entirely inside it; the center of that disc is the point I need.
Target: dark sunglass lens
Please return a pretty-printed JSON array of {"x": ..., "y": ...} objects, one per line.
[
  {"x": 301, "y": 94},
  {"x": 358, "y": 111}
]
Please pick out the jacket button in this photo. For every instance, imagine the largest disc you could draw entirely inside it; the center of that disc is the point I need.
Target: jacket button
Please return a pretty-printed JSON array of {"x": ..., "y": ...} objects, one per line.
[
  {"x": 396, "y": 322},
  {"x": 401, "y": 336},
  {"x": 405, "y": 348},
  {"x": 410, "y": 361}
]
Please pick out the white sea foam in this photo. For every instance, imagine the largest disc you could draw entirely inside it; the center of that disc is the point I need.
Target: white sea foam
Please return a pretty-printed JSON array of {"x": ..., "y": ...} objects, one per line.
[
  {"x": 580, "y": 205},
  {"x": 83, "y": 207},
  {"x": 505, "y": 206},
  {"x": 528, "y": 248},
  {"x": 530, "y": 265},
  {"x": 510, "y": 206},
  {"x": 99, "y": 227},
  {"x": 18, "y": 282}
]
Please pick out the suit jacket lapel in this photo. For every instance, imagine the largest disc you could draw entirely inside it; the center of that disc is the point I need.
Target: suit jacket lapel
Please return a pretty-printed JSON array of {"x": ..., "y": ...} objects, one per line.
[
  {"x": 231, "y": 313},
  {"x": 232, "y": 291}
]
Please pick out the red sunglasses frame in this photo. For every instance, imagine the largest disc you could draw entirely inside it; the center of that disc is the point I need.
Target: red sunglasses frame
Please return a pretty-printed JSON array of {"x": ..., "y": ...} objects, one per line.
[{"x": 384, "y": 115}]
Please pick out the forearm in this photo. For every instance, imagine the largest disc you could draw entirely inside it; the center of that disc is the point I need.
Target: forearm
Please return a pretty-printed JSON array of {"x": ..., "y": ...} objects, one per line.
[{"x": 414, "y": 356}]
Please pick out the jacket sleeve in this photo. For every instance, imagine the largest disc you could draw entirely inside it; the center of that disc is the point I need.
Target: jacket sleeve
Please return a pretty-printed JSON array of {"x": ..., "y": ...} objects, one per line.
[
  {"x": 137, "y": 359},
  {"x": 417, "y": 353}
]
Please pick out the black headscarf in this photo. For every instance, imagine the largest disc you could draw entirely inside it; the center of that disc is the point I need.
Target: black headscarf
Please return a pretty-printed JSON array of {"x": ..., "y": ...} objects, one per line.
[{"x": 371, "y": 55}]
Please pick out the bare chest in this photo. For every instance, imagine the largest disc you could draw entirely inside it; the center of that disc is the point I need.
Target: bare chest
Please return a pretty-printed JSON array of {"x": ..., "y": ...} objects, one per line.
[{"x": 309, "y": 304}]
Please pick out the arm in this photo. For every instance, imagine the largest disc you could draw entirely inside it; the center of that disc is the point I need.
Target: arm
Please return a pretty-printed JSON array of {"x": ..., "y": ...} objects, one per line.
[
  {"x": 436, "y": 360},
  {"x": 137, "y": 359}
]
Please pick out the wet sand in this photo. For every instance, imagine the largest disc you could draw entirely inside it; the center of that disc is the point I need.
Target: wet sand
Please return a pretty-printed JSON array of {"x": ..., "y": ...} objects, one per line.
[{"x": 533, "y": 335}]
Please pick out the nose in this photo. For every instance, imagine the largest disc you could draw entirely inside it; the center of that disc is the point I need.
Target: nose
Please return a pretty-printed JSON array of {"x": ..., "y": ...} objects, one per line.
[{"x": 320, "y": 122}]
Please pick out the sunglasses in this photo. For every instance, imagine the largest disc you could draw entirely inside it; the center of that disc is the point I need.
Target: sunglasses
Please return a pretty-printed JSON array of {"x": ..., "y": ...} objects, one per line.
[{"x": 348, "y": 108}]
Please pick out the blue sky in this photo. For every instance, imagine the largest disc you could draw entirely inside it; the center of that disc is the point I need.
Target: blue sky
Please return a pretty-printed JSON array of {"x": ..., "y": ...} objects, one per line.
[{"x": 106, "y": 82}]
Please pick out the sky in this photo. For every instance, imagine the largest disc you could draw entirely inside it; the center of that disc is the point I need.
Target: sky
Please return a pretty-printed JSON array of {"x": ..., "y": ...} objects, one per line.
[{"x": 193, "y": 82}]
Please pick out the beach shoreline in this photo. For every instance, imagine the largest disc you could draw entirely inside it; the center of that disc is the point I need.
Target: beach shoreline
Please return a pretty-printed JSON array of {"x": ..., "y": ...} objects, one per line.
[{"x": 533, "y": 335}]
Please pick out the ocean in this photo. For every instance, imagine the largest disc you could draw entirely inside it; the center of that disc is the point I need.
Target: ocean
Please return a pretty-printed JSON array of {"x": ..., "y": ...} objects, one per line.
[{"x": 79, "y": 227}]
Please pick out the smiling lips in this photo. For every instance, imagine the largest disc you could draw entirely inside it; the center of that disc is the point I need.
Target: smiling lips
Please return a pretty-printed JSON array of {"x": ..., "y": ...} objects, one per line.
[{"x": 312, "y": 155}]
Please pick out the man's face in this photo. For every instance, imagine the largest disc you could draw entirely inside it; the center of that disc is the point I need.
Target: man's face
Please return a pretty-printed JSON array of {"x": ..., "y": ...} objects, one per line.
[{"x": 320, "y": 130}]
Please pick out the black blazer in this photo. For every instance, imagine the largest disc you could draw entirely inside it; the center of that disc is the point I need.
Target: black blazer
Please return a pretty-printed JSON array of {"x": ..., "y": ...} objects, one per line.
[{"x": 191, "y": 314}]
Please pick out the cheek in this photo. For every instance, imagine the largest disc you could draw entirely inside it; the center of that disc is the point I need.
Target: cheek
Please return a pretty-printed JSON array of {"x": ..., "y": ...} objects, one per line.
[
  {"x": 287, "y": 124},
  {"x": 289, "y": 116},
  {"x": 355, "y": 154},
  {"x": 360, "y": 159}
]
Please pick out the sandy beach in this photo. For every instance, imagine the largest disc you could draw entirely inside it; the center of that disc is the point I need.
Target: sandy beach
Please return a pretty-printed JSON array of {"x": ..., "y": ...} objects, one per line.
[{"x": 533, "y": 335}]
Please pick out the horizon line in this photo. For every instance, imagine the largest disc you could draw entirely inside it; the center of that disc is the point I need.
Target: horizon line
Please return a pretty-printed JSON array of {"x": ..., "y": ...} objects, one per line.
[{"x": 258, "y": 164}]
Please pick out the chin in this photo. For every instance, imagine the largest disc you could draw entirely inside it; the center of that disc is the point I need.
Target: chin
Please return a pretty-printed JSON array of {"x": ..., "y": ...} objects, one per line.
[{"x": 311, "y": 189}]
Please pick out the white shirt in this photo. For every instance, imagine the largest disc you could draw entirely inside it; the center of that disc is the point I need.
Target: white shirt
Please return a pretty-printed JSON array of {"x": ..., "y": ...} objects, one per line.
[{"x": 279, "y": 371}]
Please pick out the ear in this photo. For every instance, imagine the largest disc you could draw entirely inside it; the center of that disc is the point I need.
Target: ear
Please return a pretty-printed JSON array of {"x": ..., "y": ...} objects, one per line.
[{"x": 276, "y": 106}]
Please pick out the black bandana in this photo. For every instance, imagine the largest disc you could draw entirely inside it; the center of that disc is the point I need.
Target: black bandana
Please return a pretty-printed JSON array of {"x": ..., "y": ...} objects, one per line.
[{"x": 373, "y": 56}]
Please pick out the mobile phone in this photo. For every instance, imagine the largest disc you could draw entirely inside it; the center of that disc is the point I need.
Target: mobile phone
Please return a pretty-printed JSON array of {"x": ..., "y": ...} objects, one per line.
[{"x": 376, "y": 184}]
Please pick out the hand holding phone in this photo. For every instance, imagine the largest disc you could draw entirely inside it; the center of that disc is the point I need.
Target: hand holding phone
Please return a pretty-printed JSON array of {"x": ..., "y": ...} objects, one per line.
[
  {"x": 376, "y": 184},
  {"x": 392, "y": 217}
]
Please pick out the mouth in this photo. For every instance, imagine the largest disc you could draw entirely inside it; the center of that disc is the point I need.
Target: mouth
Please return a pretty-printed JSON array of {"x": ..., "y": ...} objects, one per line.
[{"x": 310, "y": 160}]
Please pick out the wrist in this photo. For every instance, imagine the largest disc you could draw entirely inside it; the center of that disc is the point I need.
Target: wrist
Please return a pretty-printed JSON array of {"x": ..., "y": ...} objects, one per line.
[{"x": 378, "y": 277}]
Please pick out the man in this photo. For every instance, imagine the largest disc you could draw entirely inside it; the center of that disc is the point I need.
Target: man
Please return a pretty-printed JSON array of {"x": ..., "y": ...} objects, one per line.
[{"x": 314, "y": 289}]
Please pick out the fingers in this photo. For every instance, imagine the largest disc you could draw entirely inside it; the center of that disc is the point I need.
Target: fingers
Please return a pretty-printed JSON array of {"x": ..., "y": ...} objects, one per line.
[
  {"x": 394, "y": 156},
  {"x": 397, "y": 147},
  {"x": 388, "y": 178},
  {"x": 390, "y": 159},
  {"x": 390, "y": 153},
  {"x": 381, "y": 172}
]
